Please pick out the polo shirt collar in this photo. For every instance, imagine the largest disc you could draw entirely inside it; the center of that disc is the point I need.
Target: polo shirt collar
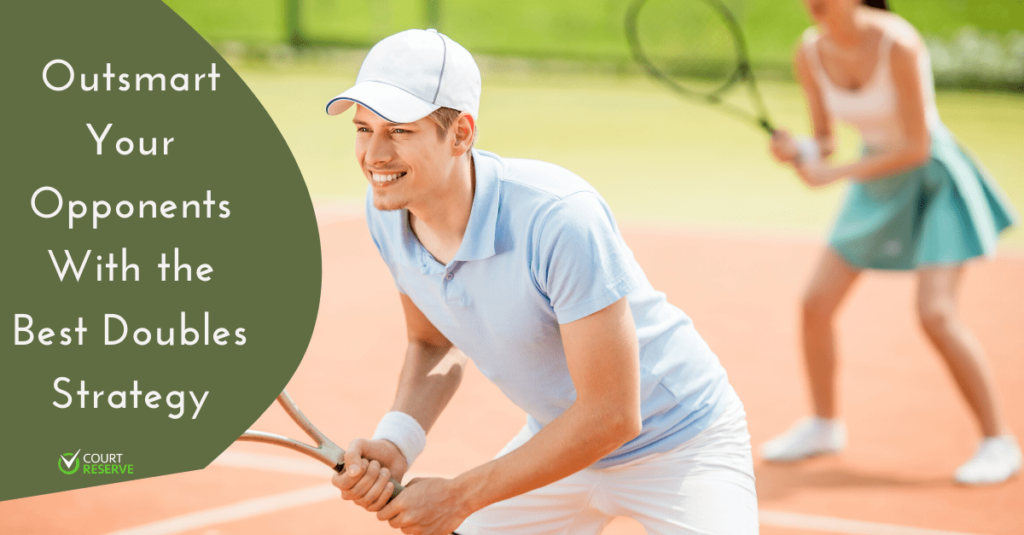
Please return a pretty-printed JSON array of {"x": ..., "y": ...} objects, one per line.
[{"x": 481, "y": 231}]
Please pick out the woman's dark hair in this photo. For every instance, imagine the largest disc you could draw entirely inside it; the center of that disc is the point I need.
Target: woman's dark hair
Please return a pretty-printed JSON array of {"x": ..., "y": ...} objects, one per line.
[{"x": 877, "y": 4}]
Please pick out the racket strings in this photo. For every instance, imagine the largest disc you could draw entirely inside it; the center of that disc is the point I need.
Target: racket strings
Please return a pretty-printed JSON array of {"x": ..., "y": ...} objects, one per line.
[
  {"x": 688, "y": 41},
  {"x": 696, "y": 47}
]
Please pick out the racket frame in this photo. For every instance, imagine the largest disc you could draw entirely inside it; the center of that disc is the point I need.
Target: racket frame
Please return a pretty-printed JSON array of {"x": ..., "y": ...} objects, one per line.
[
  {"x": 741, "y": 73},
  {"x": 325, "y": 451}
]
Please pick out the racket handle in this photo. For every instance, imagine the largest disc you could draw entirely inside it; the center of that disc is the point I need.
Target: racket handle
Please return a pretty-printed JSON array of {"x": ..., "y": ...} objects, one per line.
[{"x": 398, "y": 488}]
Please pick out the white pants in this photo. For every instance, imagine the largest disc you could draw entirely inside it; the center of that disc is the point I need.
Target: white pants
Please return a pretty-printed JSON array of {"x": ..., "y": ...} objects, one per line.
[{"x": 703, "y": 486}]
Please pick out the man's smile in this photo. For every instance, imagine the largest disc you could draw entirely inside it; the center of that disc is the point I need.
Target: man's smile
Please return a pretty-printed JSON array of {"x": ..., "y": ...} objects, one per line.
[{"x": 381, "y": 178}]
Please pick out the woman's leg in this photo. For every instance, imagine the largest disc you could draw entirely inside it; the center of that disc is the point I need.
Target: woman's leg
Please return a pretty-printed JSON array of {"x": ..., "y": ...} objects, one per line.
[
  {"x": 998, "y": 456},
  {"x": 831, "y": 282},
  {"x": 822, "y": 434},
  {"x": 936, "y": 305}
]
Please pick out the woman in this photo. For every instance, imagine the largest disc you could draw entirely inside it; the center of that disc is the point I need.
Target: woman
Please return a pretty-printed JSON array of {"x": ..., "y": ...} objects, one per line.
[{"x": 916, "y": 202}]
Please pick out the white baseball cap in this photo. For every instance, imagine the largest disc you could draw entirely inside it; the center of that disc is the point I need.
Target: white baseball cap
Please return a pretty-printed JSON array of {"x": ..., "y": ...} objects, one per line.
[{"x": 407, "y": 76}]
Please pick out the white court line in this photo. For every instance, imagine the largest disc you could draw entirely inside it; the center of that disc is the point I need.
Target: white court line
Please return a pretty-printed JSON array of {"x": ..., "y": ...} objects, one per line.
[
  {"x": 782, "y": 519},
  {"x": 323, "y": 493},
  {"x": 236, "y": 511},
  {"x": 254, "y": 507}
]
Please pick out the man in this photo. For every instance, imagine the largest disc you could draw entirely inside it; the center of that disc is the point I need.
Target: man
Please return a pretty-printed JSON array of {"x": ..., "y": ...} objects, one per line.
[{"x": 520, "y": 265}]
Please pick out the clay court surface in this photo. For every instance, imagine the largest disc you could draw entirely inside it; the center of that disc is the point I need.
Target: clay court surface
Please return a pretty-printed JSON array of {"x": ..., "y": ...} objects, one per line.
[{"x": 908, "y": 428}]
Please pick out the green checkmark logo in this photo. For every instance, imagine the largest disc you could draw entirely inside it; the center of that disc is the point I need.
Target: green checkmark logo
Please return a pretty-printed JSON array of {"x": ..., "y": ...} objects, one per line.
[{"x": 65, "y": 464}]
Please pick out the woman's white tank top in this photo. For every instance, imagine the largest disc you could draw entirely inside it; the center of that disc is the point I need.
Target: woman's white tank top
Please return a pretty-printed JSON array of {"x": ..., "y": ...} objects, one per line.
[{"x": 872, "y": 108}]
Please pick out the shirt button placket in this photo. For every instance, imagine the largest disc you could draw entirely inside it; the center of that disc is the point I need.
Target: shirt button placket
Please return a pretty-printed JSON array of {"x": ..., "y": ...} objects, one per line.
[{"x": 451, "y": 289}]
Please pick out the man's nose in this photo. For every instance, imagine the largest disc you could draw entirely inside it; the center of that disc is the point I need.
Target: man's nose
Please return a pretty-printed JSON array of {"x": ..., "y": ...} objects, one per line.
[{"x": 378, "y": 149}]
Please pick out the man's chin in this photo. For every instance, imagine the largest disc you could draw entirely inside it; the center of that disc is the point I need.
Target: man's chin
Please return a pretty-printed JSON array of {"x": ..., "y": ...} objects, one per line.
[{"x": 384, "y": 204}]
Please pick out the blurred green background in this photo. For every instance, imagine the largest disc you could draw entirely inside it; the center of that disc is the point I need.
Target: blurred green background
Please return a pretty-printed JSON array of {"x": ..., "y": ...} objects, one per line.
[
  {"x": 559, "y": 86},
  {"x": 973, "y": 42}
]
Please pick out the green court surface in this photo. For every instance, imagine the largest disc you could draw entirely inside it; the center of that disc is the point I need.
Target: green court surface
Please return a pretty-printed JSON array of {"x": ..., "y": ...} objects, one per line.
[{"x": 655, "y": 158}]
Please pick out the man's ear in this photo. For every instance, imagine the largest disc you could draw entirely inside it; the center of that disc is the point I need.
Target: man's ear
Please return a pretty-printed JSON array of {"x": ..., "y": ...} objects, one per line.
[{"x": 465, "y": 131}]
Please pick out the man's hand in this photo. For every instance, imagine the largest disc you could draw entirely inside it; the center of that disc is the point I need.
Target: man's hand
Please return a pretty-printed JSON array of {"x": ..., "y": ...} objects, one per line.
[
  {"x": 369, "y": 465},
  {"x": 428, "y": 506}
]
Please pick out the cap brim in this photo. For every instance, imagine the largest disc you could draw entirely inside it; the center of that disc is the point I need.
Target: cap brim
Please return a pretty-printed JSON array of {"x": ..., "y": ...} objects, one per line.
[{"x": 387, "y": 101}]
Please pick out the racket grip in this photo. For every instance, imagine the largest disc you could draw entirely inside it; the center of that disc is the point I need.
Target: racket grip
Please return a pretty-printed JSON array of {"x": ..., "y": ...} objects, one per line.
[{"x": 398, "y": 488}]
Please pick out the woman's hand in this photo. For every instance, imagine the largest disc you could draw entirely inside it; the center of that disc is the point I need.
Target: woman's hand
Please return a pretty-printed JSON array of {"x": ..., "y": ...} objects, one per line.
[
  {"x": 783, "y": 147},
  {"x": 817, "y": 173}
]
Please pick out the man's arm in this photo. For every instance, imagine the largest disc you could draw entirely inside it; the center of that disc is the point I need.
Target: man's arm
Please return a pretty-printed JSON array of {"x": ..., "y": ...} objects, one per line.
[
  {"x": 432, "y": 370},
  {"x": 429, "y": 378},
  {"x": 602, "y": 354}
]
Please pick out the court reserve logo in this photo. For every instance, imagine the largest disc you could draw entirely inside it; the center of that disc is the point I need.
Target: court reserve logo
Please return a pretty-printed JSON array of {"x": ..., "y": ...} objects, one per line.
[
  {"x": 65, "y": 463},
  {"x": 94, "y": 463}
]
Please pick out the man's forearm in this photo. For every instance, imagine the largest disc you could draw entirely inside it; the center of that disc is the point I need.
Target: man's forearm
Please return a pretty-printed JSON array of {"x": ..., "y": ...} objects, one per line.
[
  {"x": 603, "y": 357},
  {"x": 581, "y": 436},
  {"x": 429, "y": 379}
]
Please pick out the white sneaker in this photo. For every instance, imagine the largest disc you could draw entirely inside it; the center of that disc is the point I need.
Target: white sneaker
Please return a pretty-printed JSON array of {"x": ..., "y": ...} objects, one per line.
[
  {"x": 808, "y": 437},
  {"x": 996, "y": 460}
]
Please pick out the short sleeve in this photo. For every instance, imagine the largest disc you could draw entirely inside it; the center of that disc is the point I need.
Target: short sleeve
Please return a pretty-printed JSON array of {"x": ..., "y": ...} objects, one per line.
[
  {"x": 375, "y": 225},
  {"x": 582, "y": 263}
]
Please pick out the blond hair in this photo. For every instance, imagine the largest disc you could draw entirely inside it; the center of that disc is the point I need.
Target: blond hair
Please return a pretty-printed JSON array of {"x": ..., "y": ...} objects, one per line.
[{"x": 444, "y": 118}]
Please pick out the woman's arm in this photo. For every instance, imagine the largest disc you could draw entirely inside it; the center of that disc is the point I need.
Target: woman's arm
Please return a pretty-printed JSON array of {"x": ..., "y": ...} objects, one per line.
[
  {"x": 783, "y": 145},
  {"x": 915, "y": 145},
  {"x": 820, "y": 118}
]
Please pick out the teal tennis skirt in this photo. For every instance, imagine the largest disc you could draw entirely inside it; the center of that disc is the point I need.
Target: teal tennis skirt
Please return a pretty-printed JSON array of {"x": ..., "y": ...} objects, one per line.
[{"x": 942, "y": 213}]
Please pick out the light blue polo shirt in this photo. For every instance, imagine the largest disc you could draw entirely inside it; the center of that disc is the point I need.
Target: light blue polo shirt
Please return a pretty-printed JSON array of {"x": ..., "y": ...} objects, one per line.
[{"x": 541, "y": 249}]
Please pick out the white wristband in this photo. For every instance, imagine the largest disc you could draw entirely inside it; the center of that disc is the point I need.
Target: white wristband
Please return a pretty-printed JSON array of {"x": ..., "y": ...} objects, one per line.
[
  {"x": 403, "y": 431},
  {"x": 808, "y": 150}
]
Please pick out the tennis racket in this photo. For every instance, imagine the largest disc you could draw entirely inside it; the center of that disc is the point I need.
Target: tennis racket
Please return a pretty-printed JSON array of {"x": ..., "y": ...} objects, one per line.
[
  {"x": 696, "y": 48},
  {"x": 324, "y": 451}
]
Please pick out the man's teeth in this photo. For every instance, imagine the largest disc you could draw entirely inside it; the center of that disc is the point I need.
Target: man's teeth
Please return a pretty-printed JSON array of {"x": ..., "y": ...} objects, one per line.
[{"x": 386, "y": 178}]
